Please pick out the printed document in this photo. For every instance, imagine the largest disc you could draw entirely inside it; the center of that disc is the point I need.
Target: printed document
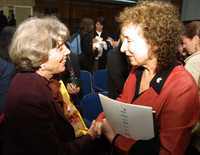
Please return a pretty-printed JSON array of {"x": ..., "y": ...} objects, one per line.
[{"x": 133, "y": 121}]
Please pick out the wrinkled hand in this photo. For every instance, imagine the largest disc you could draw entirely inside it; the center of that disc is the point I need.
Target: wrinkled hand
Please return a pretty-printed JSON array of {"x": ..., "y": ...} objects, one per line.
[
  {"x": 107, "y": 130},
  {"x": 95, "y": 129},
  {"x": 73, "y": 88}
]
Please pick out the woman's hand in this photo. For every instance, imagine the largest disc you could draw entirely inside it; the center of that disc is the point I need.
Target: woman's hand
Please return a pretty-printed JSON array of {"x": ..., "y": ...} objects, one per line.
[
  {"x": 107, "y": 130},
  {"x": 95, "y": 129},
  {"x": 73, "y": 88}
]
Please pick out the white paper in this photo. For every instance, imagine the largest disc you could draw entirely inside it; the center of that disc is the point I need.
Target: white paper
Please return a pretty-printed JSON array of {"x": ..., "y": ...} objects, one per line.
[{"x": 133, "y": 121}]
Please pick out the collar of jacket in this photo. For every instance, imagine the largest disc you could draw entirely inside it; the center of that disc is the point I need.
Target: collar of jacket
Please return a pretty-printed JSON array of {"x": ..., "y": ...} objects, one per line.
[{"x": 159, "y": 79}]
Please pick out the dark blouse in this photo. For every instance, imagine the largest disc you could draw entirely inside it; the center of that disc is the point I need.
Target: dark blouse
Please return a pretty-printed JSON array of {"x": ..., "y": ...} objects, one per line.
[{"x": 35, "y": 124}]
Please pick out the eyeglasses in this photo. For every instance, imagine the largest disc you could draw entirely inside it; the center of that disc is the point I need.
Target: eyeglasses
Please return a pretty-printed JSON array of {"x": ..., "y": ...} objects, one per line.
[{"x": 60, "y": 45}]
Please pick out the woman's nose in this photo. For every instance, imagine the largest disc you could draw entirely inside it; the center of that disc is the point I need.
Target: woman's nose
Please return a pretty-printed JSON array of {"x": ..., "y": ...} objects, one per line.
[
  {"x": 67, "y": 51},
  {"x": 124, "y": 46}
]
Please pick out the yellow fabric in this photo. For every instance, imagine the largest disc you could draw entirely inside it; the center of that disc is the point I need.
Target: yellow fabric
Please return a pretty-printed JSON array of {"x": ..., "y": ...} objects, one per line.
[{"x": 72, "y": 114}]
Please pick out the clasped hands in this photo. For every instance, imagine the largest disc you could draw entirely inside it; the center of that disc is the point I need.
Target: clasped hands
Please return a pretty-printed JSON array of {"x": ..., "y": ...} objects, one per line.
[{"x": 100, "y": 127}]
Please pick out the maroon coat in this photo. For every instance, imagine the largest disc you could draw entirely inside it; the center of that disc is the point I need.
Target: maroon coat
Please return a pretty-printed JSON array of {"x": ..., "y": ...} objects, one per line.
[{"x": 35, "y": 124}]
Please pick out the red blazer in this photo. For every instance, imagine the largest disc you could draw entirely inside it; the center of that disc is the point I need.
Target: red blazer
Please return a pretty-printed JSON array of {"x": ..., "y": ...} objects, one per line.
[{"x": 175, "y": 100}]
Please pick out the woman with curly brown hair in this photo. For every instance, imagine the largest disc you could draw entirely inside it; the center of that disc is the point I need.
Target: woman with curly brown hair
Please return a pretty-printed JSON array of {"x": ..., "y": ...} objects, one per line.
[{"x": 151, "y": 32}]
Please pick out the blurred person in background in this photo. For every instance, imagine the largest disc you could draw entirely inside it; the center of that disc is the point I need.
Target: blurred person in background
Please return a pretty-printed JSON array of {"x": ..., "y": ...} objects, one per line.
[
  {"x": 81, "y": 44},
  {"x": 100, "y": 44},
  {"x": 7, "y": 68},
  {"x": 118, "y": 70},
  {"x": 191, "y": 44},
  {"x": 71, "y": 77},
  {"x": 3, "y": 20}
]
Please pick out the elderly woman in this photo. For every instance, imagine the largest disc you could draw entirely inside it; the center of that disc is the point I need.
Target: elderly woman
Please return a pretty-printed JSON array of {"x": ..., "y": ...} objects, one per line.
[
  {"x": 35, "y": 123},
  {"x": 151, "y": 34}
]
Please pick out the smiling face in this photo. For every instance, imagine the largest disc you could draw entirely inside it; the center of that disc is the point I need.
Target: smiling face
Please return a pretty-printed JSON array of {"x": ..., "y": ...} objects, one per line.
[
  {"x": 56, "y": 59},
  {"x": 135, "y": 45}
]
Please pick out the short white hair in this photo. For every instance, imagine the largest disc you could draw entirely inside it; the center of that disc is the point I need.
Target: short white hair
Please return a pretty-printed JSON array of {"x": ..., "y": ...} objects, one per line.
[{"x": 33, "y": 39}]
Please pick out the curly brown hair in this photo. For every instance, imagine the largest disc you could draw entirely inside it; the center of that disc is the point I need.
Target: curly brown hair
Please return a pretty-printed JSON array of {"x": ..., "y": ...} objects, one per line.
[{"x": 161, "y": 27}]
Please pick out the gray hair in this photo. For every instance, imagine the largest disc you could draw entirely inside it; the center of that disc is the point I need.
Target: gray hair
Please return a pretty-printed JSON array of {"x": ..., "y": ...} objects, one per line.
[{"x": 33, "y": 39}]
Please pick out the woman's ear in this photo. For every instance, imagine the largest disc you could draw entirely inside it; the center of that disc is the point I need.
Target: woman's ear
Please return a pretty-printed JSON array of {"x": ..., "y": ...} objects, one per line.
[
  {"x": 42, "y": 67},
  {"x": 196, "y": 38},
  {"x": 196, "y": 41},
  {"x": 154, "y": 48}
]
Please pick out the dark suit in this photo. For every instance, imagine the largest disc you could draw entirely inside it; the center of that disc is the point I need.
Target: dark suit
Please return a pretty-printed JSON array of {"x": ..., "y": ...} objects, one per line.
[
  {"x": 86, "y": 58},
  {"x": 72, "y": 75},
  {"x": 118, "y": 70},
  {"x": 71, "y": 67},
  {"x": 35, "y": 124}
]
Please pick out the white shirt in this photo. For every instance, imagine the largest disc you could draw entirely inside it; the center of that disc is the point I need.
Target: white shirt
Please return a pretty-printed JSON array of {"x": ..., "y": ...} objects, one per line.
[
  {"x": 99, "y": 33},
  {"x": 192, "y": 64}
]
